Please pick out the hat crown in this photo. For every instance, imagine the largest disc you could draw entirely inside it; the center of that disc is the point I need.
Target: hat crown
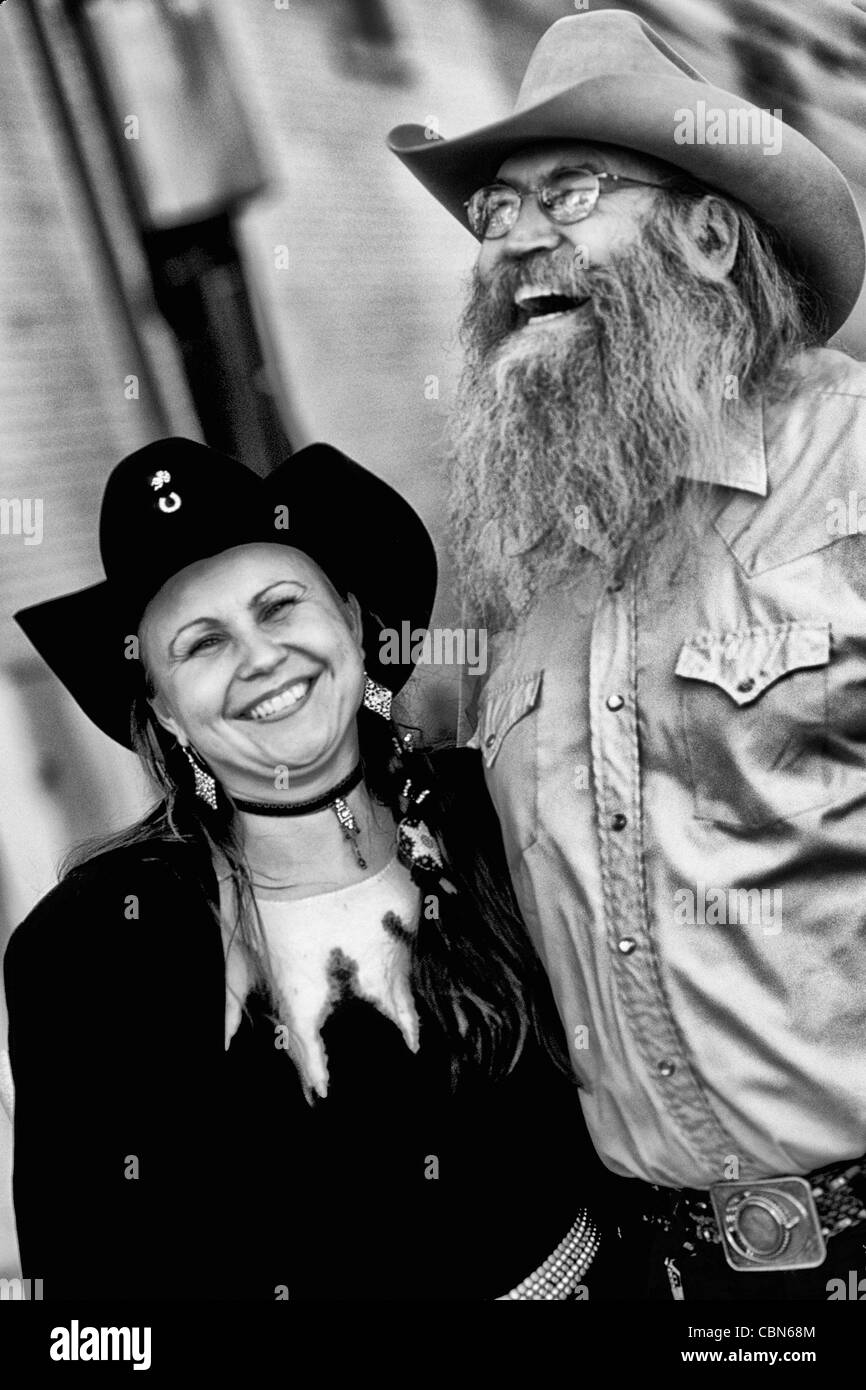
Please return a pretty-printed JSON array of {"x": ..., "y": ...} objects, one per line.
[
  {"x": 579, "y": 47},
  {"x": 171, "y": 503}
]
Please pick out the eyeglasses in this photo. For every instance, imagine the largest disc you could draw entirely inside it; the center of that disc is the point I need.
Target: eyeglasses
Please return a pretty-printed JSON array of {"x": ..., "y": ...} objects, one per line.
[{"x": 566, "y": 196}]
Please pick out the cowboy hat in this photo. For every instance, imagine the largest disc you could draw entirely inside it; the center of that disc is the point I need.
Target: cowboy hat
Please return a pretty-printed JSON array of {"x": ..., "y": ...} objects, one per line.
[
  {"x": 174, "y": 502},
  {"x": 607, "y": 77}
]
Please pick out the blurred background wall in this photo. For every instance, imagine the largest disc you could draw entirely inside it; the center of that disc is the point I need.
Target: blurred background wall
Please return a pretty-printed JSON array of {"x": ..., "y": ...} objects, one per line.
[{"x": 202, "y": 233}]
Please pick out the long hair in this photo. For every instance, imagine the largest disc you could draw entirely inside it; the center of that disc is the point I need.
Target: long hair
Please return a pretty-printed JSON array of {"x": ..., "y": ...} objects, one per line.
[
  {"x": 787, "y": 313},
  {"x": 473, "y": 968}
]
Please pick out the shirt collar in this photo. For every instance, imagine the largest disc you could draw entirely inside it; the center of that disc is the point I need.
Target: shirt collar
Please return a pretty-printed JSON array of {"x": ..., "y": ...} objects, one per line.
[{"x": 744, "y": 465}]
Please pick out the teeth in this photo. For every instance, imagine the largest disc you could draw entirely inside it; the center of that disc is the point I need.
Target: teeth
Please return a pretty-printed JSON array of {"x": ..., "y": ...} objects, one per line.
[
  {"x": 284, "y": 700},
  {"x": 527, "y": 292}
]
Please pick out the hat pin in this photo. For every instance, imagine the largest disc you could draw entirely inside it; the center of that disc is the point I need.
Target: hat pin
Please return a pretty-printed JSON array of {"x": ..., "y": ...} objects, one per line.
[{"x": 172, "y": 501}]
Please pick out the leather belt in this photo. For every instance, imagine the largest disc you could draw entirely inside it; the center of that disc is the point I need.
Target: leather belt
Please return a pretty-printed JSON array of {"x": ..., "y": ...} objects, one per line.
[{"x": 766, "y": 1223}]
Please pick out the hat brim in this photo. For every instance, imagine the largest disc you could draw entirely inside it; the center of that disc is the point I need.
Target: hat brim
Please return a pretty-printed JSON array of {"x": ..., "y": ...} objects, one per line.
[
  {"x": 796, "y": 189},
  {"x": 358, "y": 529},
  {"x": 82, "y": 637}
]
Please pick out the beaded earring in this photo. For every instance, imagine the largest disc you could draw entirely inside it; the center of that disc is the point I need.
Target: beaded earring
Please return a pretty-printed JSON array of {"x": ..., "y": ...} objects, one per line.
[
  {"x": 205, "y": 785},
  {"x": 377, "y": 697}
]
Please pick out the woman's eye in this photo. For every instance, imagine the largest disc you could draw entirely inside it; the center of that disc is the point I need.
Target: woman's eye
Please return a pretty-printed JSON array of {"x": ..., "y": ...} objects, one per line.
[
  {"x": 204, "y": 644},
  {"x": 281, "y": 603}
]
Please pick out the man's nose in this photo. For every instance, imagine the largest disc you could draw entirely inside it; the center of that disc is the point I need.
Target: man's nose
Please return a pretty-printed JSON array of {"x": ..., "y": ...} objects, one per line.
[{"x": 532, "y": 230}]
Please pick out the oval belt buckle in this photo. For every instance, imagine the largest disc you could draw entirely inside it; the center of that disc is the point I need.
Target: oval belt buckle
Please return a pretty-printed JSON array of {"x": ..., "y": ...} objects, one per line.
[{"x": 769, "y": 1224}]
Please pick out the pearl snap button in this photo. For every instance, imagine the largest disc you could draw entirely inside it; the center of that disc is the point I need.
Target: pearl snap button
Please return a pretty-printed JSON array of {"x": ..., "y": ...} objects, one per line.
[
  {"x": 615, "y": 702},
  {"x": 619, "y": 821},
  {"x": 627, "y": 945},
  {"x": 666, "y": 1068}
]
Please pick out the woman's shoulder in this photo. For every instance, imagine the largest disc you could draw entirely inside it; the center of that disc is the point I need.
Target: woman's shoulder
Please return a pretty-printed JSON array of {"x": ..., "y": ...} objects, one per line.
[
  {"x": 154, "y": 860},
  {"x": 122, "y": 884}
]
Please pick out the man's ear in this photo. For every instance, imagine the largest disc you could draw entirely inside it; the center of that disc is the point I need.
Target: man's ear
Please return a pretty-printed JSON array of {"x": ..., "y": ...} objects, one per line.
[{"x": 712, "y": 237}]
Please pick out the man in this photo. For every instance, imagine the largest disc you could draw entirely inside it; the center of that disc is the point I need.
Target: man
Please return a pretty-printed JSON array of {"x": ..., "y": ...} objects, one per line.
[{"x": 657, "y": 475}]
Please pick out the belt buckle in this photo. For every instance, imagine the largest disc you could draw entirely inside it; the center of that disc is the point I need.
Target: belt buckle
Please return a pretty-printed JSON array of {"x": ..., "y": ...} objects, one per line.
[{"x": 769, "y": 1224}]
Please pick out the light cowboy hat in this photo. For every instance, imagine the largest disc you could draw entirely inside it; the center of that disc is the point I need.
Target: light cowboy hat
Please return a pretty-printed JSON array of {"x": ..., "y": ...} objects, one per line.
[{"x": 607, "y": 77}]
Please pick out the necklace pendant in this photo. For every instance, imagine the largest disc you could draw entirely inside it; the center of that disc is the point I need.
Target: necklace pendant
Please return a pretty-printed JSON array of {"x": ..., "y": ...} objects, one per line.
[
  {"x": 350, "y": 829},
  {"x": 345, "y": 816}
]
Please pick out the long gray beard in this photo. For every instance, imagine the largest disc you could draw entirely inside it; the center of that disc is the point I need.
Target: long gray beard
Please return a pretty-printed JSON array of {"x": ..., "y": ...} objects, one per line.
[{"x": 577, "y": 434}]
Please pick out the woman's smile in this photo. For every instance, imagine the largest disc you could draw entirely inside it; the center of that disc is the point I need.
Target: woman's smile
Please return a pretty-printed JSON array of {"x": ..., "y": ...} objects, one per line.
[{"x": 284, "y": 701}]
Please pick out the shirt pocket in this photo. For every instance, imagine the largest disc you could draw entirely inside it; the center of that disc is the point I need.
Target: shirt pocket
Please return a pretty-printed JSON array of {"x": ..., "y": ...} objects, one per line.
[
  {"x": 753, "y": 704},
  {"x": 507, "y": 737}
]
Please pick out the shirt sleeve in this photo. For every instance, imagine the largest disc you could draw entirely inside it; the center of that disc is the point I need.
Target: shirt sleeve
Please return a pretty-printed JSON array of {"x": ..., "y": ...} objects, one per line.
[{"x": 111, "y": 1176}]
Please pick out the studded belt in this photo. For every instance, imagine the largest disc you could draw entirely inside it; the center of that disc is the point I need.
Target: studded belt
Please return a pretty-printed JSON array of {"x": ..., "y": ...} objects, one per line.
[
  {"x": 768, "y": 1223},
  {"x": 560, "y": 1274}
]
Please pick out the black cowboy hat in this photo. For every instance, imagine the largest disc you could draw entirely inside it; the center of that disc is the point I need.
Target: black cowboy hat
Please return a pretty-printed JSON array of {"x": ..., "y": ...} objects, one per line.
[{"x": 175, "y": 502}]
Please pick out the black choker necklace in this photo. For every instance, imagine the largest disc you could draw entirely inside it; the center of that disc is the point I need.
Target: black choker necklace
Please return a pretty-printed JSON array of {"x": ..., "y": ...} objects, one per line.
[
  {"x": 303, "y": 808},
  {"x": 332, "y": 799}
]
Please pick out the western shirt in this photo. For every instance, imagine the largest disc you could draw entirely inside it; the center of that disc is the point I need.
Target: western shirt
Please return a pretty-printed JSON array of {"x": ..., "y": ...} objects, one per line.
[{"x": 679, "y": 766}]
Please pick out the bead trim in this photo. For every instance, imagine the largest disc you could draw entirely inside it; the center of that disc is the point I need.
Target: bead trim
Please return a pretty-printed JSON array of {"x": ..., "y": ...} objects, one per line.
[{"x": 560, "y": 1274}]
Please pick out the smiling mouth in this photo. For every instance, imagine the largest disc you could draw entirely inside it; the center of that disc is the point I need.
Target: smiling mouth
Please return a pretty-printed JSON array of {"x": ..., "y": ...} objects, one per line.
[
  {"x": 536, "y": 306},
  {"x": 284, "y": 701}
]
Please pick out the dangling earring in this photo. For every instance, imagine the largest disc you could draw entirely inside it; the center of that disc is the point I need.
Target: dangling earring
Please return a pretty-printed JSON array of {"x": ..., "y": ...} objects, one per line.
[
  {"x": 377, "y": 697},
  {"x": 205, "y": 785}
]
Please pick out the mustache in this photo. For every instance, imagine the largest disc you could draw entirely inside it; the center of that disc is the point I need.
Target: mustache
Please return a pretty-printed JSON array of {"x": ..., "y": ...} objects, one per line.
[{"x": 491, "y": 314}]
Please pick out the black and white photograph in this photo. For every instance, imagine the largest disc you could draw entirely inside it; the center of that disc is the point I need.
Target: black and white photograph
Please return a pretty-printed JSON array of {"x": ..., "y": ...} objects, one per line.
[{"x": 432, "y": 676}]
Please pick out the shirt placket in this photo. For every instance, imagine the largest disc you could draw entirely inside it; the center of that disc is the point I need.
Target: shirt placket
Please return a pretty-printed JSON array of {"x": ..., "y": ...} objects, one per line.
[{"x": 629, "y": 939}]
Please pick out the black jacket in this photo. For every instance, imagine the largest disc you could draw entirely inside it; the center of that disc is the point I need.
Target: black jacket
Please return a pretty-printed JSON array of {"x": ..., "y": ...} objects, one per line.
[{"x": 151, "y": 1163}]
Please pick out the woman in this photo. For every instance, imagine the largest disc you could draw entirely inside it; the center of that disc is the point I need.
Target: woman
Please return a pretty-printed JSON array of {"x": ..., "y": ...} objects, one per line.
[{"x": 285, "y": 1038}]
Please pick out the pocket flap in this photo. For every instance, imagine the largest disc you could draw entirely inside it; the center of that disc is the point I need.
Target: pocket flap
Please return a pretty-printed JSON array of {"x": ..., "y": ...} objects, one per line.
[
  {"x": 501, "y": 707},
  {"x": 745, "y": 661}
]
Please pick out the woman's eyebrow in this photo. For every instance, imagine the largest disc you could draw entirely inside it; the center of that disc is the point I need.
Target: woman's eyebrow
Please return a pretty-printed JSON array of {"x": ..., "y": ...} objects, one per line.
[
  {"x": 256, "y": 599},
  {"x": 194, "y": 622}
]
